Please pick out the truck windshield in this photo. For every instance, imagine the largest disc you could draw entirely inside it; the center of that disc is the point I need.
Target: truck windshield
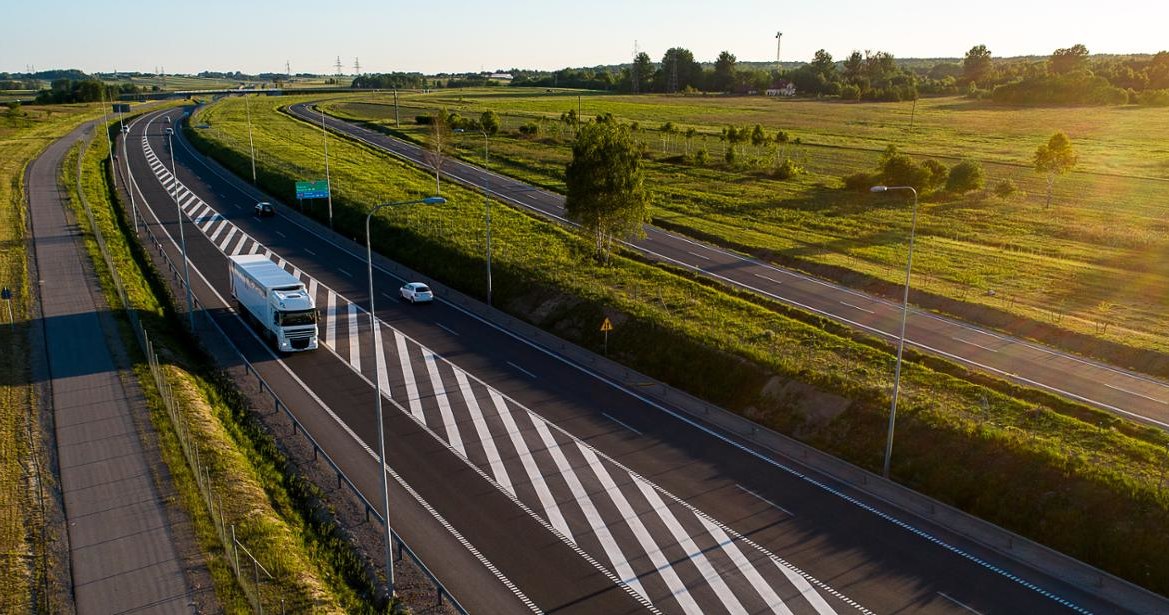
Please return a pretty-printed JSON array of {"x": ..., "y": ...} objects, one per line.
[{"x": 292, "y": 319}]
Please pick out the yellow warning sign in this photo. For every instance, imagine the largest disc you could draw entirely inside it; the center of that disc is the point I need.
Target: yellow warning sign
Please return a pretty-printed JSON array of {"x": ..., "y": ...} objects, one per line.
[{"x": 606, "y": 326}]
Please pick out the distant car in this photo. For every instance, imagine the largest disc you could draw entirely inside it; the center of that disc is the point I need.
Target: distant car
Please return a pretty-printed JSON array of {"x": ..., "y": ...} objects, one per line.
[
  {"x": 416, "y": 292},
  {"x": 265, "y": 210}
]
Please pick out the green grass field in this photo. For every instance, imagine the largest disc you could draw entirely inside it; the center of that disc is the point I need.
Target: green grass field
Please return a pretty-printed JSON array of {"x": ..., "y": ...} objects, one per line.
[
  {"x": 1094, "y": 259},
  {"x": 992, "y": 450}
]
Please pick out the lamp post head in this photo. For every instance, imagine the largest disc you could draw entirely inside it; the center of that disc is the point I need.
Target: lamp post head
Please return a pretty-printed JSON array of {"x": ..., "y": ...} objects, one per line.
[
  {"x": 879, "y": 189},
  {"x": 434, "y": 200}
]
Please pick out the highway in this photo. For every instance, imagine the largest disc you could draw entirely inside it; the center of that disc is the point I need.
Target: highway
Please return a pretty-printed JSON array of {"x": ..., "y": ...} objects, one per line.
[
  {"x": 1127, "y": 393},
  {"x": 565, "y": 492}
]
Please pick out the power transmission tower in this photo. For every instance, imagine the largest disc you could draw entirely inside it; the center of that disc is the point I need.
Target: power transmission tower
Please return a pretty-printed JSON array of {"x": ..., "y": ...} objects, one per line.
[
  {"x": 338, "y": 65},
  {"x": 356, "y": 66},
  {"x": 672, "y": 86},
  {"x": 634, "y": 75},
  {"x": 288, "y": 69}
]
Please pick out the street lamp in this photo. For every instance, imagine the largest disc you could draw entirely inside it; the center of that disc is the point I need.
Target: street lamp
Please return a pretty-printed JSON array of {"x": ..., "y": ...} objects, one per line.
[
  {"x": 251, "y": 143},
  {"x": 129, "y": 187},
  {"x": 487, "y": 207},
  {"x": 328, "y": 183},
  {"x": 904, "y": 314},
  {"x": 381, "y": 430},
  {"x": 174, "y": 193}
]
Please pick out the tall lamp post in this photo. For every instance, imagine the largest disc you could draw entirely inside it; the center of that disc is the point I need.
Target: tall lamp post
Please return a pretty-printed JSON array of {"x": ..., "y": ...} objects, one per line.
[
  {"x": 251, "y": 143},
  {"x": 431, "y": 200},
  {"x": 904, "y": 314},
  {"x": 129, "y": 187},
  {"x": 328, "y": 182},
  {"x": 174, "y": 193},
  {"x": 487, "y": 206}
]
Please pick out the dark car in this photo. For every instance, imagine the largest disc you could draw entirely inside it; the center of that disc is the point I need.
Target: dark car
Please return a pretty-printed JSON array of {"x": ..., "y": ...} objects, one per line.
[{"x": 265, "y": 210}]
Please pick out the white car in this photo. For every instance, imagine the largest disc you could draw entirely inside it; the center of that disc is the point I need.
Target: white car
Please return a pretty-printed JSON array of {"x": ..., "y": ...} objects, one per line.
[{"x": 416, "y": 292}]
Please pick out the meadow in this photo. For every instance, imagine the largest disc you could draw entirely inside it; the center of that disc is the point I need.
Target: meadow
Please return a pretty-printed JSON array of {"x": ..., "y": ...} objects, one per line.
[
  {"x": 1040, "y": 466},
  {"x": 1088, "y": 273}
]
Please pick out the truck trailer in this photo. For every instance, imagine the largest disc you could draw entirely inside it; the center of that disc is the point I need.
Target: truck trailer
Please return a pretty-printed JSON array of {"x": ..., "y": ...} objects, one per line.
[{"x": 276, "y": 300}]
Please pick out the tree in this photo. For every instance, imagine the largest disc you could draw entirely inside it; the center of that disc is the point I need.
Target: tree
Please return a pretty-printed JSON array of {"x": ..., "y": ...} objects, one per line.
[
  {"x": 641, "y": 73},
  {"x": 854, "y": 67},
  {"x": 964, "y": 177},
  {"x": 976, "y": 67},
  {"x": 724, "y": 72},
  {"x": 438, "y": 145},
  {"x": 1070, "y": 60},
  {"x": 1055, "y": 158},
  {"x": 678, "y": 71},
  {"x": 605, "y": 184},
  {"x": 489, "y": 122},
  {"x": 823, "y": 65}
]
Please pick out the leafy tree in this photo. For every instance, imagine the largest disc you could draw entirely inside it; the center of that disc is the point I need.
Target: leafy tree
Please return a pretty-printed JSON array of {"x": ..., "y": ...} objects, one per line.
[
  {"x": 724, "y": 72},
  {"x": 679, "y": 62},
  {"x": 939, "y": 173},
  {"x": 489, "y": 122},
  {"x": 964, "y": 177},
  {"x": 1055, "y": 158},
  {"x": 641, "y": 73},
  {"x": 822, "y": 63},
  {"x": 1070, "y": 60},
  {"x": 438, "y": 145},
  {"x": 854, "y": 68},
  {"x": 606, "y": 191},
  {"x": 758, "y": 137},
  {"x": 976, "y": 67}
]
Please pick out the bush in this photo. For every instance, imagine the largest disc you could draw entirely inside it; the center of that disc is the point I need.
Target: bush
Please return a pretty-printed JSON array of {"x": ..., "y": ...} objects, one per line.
[
  {"x": 859, "y": 182},
  {"x": 730, "y": 155},
  {"x": 423, "y": 120},
  {"x": 964, "y": 177},
  {"x": 850, "y": 92},
  {"x": 529, "y": 129},
  {"x": 702, "y": 157},
  {"x": 1005, "y": 188},
  {"x": 787, "y": 169},
  {"x": 1153, "y": 98},
  {"x": 939, "y": 173},
  {"x": 901, "y": 170}
]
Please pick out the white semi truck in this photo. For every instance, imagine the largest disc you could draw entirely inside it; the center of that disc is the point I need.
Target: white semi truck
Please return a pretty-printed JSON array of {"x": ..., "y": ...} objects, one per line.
[{"x": 276, "y": 300}]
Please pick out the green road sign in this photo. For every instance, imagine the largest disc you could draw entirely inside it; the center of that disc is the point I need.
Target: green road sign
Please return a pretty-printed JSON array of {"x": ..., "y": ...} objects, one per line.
[{"x": 312, "y": 190}]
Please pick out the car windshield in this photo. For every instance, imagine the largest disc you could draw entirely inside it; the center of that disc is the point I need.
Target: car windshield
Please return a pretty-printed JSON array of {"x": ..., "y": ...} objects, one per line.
[
  {"x": 421, "y": 289},
  {"x": 300, "y": 317}
]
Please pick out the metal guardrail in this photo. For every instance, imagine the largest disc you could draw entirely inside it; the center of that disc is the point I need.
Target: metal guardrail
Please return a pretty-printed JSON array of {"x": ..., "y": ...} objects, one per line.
[{"x": 191, "y": 451}]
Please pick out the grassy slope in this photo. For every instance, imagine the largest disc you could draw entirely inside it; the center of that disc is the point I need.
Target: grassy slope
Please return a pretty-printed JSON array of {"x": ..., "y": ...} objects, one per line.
[
  {"x": 969, "y": 445},
  {"x": 248, "y": 471},
  {"x": 22, "y": 138},
  {"x": 1096, "y": 257}
]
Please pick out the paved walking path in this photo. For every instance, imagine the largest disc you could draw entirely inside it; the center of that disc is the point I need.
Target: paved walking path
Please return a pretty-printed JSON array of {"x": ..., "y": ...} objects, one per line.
[{"x": 122, "y": 553}]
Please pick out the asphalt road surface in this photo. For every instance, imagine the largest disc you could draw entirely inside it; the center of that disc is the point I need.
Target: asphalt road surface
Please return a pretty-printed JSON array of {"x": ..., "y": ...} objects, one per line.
[
  {"x": 582, "y": 496},
  {"x": 1127, "y": 393}
]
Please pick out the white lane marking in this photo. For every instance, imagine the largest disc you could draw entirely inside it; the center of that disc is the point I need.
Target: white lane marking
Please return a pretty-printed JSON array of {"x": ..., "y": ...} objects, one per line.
[
  {"x": 958, "y": 339},
  {"x": 331, "y": 321},
  {"x": 379, "y": 357},
  {"x": 312, "y": 290},
  {"x": 281, "y": 234},
  {"x": 281, "y": 263},
  {"x": 408, "y": 376},
  {"x": 354, "y": 337},
  {"x": 535, "y": 476},
  {"x": 621, "y": 423},
  {"x": 390, "y": 297},
  {"x": 310, "y": 252},
  {"x": 705, "y": 258},
  {"x": 498, "y": 470},
  {"x": 744, "y": 565},
  {"x": 764, "y": 500},
  {"x": 227, "y": 240},
  {"x": 219, "y": 230},
  {"x": 768, "y": 278},
  {"x": 296, "y": 273},
  {"x": 344, "y": 273},
  {"x": 450, "y": 425},
  {"x": 530, "y": 374},
  {"x": 447, "y": 329},
  {"x": 644, "y": 539},
  {"x": 239, "y": 247},
  {"x": 856, "y": 307},
  {"x": 255, "y": 248},
  {"x": 696, "y": 555},
  {"x": 616, "y": 557},
  {"x": 211, "y": 222},
  {"x": 1116, "y": 388},
  {"x": 964, "y": 606}
]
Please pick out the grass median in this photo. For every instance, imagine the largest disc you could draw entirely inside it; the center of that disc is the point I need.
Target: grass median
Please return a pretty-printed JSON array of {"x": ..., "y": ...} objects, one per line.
[{"x": 1079, "y": 480}]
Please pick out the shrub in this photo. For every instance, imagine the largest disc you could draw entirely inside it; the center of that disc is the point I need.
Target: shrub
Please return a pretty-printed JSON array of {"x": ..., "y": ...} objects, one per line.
[
  {"x": 701, "y": 157},
  {"x": 859, "y": 182},
  {"x": 423, "y": 120},
  {"x": 850, "y": 92},
  {"x": 787, "y": 169},
  {"x": 964, "y": 177},
  {"x": 1005, "y": 188},
  {"x": 1153, "y": 98},
  {"x": 730, "y": 155},
  {"x": 939, "y": 173},
  {"x": 901, "y": 170},
  {"x": 529, "y": 129}
]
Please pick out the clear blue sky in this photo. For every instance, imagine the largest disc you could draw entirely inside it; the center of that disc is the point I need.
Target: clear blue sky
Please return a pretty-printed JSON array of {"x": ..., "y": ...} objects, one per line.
[{"x": 464, "y": 35}]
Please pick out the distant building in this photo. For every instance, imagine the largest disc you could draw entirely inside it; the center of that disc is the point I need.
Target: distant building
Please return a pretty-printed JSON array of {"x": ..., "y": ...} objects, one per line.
[
  {"x": 503, "y": 76},
  {"x": 782, "y": 88}
]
